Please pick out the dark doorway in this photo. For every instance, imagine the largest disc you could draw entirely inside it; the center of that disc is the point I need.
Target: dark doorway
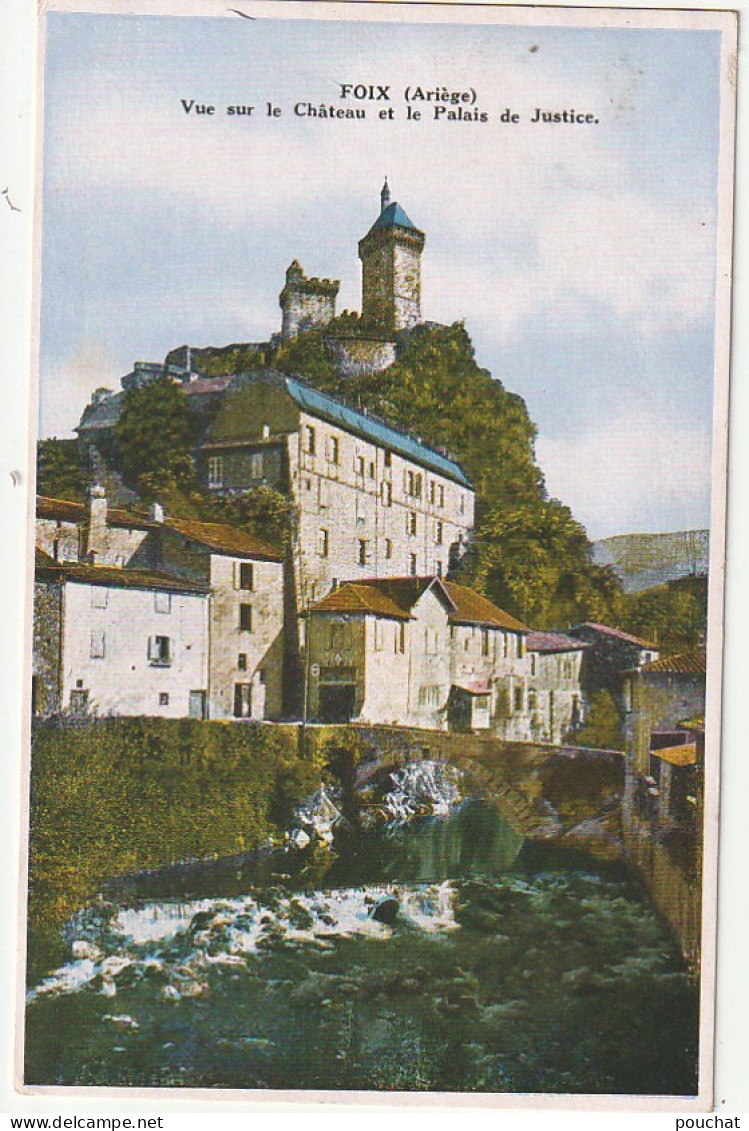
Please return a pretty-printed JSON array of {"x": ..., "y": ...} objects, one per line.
[
  {"x": 337, "y": 702},
  {"x": 197, "y": 706},
  {"x": 242, "y": 700}
]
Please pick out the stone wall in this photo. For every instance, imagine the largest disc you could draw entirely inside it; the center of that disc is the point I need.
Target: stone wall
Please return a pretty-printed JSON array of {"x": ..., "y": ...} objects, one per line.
[
  {"x": 47, "y": 647},
  {"x": 356, "y": 356}
]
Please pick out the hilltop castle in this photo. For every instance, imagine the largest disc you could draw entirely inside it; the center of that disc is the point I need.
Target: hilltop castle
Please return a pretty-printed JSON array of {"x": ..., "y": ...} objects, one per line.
[{"x": 390, "y": 255}]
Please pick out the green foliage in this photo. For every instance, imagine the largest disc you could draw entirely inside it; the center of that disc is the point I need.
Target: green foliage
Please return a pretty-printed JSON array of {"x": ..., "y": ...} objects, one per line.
[
  {"x": 533, "y": 560},
  {"x": 674, "y": 615},
  {"x": 261, "y": 511},
  {"x": 61, "y": 470},
  {"x": 221, "y": 361},
  {"x": 603, "y": 728},
  {"x": 154, "y": 438},
  {"x": 115, "y": 795},
  {"x": 438, "y": 391},
  {"x": 308, "y": 356}
]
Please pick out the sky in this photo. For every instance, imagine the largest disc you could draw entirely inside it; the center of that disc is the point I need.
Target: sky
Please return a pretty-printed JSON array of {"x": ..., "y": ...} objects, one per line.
[{"x": 581, "y": 257}]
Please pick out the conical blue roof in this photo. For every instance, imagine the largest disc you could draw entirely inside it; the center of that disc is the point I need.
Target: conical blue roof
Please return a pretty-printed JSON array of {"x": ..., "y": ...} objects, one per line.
[{"x": 393, "y": 216}]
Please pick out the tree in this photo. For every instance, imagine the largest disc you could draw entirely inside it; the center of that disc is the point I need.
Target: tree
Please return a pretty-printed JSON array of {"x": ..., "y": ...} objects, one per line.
[
  {"x": 262, "y": 511},
  {"x": 533, "y": 559},
  {"x": 308, "y": 356},
  {"x": 154, "y": 438},
  {"x": 673, "y": 615},
  {"x": 603, "y": 724},
  {"x": 60, "y": 470}
]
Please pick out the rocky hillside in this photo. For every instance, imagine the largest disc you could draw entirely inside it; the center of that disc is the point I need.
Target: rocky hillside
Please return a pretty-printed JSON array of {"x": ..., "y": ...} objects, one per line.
[{"x": 644, "y": 560}]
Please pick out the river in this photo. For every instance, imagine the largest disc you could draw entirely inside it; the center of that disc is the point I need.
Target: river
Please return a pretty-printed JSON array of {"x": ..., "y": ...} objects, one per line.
[{"x": 510, "y": 966}]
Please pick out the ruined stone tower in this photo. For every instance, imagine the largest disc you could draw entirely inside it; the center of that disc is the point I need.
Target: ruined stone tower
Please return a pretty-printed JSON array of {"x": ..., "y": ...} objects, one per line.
[
  {"x": 306, "y": 303},
  {"x": 390, "y": 254}
]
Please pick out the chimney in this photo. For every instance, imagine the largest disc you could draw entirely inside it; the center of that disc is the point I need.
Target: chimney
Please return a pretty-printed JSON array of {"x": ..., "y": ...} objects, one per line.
[
  {"x": 96, "y": 535},
  {"x": 156, "y": 512}
]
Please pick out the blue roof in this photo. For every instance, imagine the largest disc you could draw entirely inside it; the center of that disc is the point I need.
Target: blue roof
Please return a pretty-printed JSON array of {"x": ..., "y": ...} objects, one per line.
[
  {"x": 393, "y": 216},
  {"x": 370, "y": 428}
]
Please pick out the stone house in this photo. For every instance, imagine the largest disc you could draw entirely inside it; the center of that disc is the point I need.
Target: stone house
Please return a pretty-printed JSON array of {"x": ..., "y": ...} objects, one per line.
[
  {"x": 659, "y": 697},
  {"x": 245, "y": 578},
  {"x": 420, "y": 652},
  {"x": 240, "y": 578},
  {"x": 555, "y": 698},
  {"x": 610, "y": 655},
  {"x": 371, "y": 501},
  {"x": 664, "y": 791},
  {"x": 109, "y": 640},
  {"x": 97, "y": 533}
]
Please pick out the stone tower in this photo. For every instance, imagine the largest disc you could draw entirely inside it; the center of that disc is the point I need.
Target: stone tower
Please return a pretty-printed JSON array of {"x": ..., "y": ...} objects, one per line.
[
  {"x": 390, "y": 254},
  {"x": 306, "y": 303}
]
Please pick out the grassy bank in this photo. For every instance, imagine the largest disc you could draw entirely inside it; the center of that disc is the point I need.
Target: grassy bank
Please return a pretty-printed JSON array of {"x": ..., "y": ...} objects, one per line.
[{"x": 113, "y": 796}]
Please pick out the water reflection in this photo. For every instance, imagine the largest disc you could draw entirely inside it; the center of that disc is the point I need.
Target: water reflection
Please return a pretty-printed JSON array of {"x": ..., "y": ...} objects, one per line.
[{"x": 508, "y": 968}]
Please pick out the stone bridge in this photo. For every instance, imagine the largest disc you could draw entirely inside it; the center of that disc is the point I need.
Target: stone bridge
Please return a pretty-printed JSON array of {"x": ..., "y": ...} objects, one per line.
[{"x": 542, "y": 790}]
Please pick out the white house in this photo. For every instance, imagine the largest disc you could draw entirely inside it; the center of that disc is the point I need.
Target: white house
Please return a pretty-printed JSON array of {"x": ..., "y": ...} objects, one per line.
[
  {"x": 245, "y": 577},
  {"x": 235, "y": 580},
  {"x": 421, "y": 652},
  {"x": 110, "y": 641}
]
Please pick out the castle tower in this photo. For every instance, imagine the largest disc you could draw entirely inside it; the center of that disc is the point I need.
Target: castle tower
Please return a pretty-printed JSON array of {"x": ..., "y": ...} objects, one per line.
[
  {"x": 390, "y": 254},
  {"x": 306, "y": 303}
]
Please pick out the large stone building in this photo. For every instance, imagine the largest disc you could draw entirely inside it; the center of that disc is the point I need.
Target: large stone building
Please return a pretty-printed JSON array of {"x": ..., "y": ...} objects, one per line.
[
  {"x": 417, "y": 651},
  {"x": 379, "y": 521},
  {"x": 372, "y": 501}
]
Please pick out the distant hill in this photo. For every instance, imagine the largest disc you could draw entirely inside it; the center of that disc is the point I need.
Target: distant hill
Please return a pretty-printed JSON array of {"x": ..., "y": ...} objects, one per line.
[{"x": 645, "y": 560}]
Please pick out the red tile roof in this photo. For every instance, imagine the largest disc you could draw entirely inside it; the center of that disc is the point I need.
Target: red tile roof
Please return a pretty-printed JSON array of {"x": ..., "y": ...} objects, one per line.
[
  {"x": 691, "y": 662},
  {"x": 223, "y": 539},
  {"x": 396, "y": 597},
  {"x": 472, "y": 608},
  {"x": 216, "y": 536},
  {"x": 354, "y": 597},
  {"x": 551, "y": 642},
  {"x": 63, "y": 510},
  {"x": 114, "y": 577},
  {"x": 618, "y": 634}
]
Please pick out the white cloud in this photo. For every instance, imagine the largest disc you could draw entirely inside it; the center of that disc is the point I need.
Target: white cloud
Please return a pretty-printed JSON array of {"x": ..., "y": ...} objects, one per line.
[
  {"x": 639, "y": 473},
  {"x": 649, "y": 264},
  {"x": 67, "y": 387}
]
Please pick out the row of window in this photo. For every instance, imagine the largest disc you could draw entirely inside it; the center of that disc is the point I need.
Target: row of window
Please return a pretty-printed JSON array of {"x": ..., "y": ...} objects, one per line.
[
  {"x": 158, "y": 652},
  {"x": 413, "y": 481},
  {"x": 385, "y": 635},
  {"x": 162, "y": 602},
  {"x": 364, "y": 554},
  {"x": 386, "y": 493}
]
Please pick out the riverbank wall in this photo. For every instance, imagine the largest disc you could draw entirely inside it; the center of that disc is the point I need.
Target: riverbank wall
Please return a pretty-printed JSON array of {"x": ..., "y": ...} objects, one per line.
[
  {"x": 112, "y": 796},
  {"x": 669, "y": 862}
]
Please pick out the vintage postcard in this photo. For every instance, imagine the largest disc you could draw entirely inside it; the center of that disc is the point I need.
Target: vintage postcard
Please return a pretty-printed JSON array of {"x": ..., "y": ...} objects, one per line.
[{"x": 374, "y": 709}]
